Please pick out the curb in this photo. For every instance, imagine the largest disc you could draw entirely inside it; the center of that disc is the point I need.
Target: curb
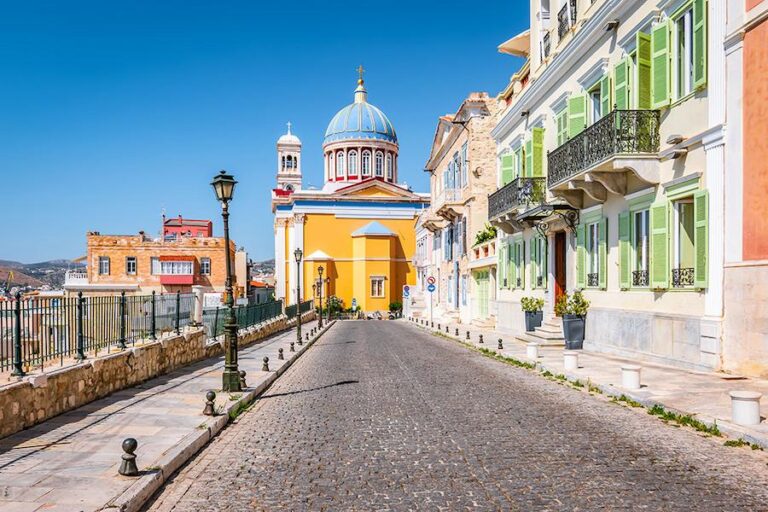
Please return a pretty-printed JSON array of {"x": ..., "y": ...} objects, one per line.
[
  {"x": 141, "y": 490},
  {"x": 727, "y": 428}
]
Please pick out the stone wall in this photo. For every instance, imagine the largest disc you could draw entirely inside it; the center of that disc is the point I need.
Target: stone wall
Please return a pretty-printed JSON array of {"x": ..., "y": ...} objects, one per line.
[{"x": 41, "y": 396}]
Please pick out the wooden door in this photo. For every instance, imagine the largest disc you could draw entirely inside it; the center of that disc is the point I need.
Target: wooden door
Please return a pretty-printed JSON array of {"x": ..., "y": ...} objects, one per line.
[{"x": 560, "y": 276}]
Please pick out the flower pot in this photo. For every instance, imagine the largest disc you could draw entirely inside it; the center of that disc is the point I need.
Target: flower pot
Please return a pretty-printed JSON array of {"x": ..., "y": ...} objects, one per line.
[
  {"x": 573, "y": 331},
  {"x": 533, "y": 320}
]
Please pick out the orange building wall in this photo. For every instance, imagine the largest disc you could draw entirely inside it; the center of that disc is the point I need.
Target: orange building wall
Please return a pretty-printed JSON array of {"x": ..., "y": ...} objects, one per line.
[{"x": 755, "y": 243}]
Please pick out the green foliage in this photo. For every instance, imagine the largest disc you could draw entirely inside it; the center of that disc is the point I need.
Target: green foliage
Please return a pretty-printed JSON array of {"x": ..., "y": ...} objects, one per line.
[
  {"x": 531, "y": 304},
  {"x": 686, "y": 420},
  {"x": 561, "y": 305},
  {"x": 489, "y": 233},
  {"x": 738, "y": 443},
  {"x": 333, "y": 303},
  {"x": 574, "y": 304},
  {"x": 395, "y": 306}
]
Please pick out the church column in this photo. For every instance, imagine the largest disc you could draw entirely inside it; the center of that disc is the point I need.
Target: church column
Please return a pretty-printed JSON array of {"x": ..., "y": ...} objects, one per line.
[
  {"x": 298, "y": 242},
  {"x": 280, "y": 258}
]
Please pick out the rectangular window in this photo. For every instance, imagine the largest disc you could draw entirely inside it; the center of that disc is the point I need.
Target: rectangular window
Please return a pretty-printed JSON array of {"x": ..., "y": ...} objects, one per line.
[
  {"x": 594, "y": 105},
  {"x": 154, "y": 266},
  {"x": 640, "y": 248},
  {"x": 205, "y": 266},
  {"x": 377, "y": 287},
  {"x": 683, "y": 30},
  {"x": 130, "y": 265},
  {"x": 541, "y": 262},
  {"x": 176, "y": 268},
  {"x": 464, "y": 166},
  {"x": 104, "y": 265},
  {"x": 683, "y": 247},
  {"x": 593, "y": 254}
]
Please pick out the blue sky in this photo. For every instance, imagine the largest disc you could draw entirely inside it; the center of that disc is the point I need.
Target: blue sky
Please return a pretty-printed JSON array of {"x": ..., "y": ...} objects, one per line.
[{"x": 112, "y": 111}]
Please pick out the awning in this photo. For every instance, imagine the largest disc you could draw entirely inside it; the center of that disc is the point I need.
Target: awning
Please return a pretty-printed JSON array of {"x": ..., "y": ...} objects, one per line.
[{"x": 519, "y": 46}]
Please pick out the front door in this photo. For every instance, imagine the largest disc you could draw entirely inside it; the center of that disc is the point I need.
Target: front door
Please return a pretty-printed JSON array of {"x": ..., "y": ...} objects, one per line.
[
  {"x": 482, "y": 280},
  {"x": 560, "y": 251}
]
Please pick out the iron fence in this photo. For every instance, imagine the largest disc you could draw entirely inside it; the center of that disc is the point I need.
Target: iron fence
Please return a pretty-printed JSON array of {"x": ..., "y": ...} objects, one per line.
[
  {"x": 246, "y": 316},
  {"x": 35, "y": 330},
  {"x": 523, "y": 191}
]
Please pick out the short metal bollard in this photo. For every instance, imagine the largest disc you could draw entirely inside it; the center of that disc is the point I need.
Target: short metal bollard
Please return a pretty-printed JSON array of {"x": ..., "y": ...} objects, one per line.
[
  {"x": 467, "y": 334},
  {"x": 501, "y": 345},
  {"x": 128, "y": 465},
  {"x": 439, "y": 327},
  {"x": 457, "y": 332},
  {"x": 243, "y": 385},
  {"x": 481, "y": 339},
  {"x": 630, "y": 376},
  {"x": 293, "y": 348},
  {"x": 532, "y": 350},
  {"x": 210, "y": 399},
  {"x": 306, "y": 337},
  {"x": 446, "y": 329},
  {"x": 280, "y": 354},
  {"x": 265, "y": 366},
  {"x": 433, "y": 324}
]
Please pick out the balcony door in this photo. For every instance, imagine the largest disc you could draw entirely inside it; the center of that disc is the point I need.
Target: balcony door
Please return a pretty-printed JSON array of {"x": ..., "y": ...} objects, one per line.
[{"x": 560, "y": 275}]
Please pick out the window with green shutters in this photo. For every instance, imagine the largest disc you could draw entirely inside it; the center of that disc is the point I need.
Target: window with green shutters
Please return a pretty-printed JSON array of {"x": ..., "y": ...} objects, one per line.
[
  {"x": 701, "y": 235},
  {"x": 605, "y": 95},
  {"x": 659, "y": 245},
  {"x": 625, "y": 253},
  {"x": 660, "y": 72},
  {"x": 581, "y": 257},
  {"x": 502, "y": 266},
  {"x": 562, "y": 126},
  {"x": 621, "y": 86},
  {"x": 538, "y": 262},
  {"x": 511, "y": 268},
  {"x": 592, "y": 253},
  {"x": 577, "y": 114},
  {"x": 528, "y": 157},
  {"x": 699, "y": 43},
  {"x": 643, "y": 73},
  {"x": 519, "y": 281},
  {"x": 519, "y": 162},
  {"x": 507, "y": 168},
  {"x": 537, "y": 145}
]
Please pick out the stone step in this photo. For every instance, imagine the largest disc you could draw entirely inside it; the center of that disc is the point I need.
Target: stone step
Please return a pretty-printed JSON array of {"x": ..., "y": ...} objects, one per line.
[
  {"x": 529, "y": 337},
  {"x": 547, "y": 335},
  {"x": 549, "y": 329}
]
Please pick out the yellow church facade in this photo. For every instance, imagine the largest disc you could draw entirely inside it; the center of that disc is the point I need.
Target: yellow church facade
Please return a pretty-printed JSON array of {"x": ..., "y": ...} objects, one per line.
[{"x": 360, "y": 227}]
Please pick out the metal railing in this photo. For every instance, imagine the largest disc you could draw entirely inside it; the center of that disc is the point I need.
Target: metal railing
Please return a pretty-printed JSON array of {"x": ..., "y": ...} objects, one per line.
[
  {"x": 545, "y": 45},
  {"x": 566, "y": 18},
  {"x": 593, "y": 279},
  {"x": 640, "y": 278},
  {"x": 525, "y": 191},
  {"x": 35, "y": 330},
  {"x": 247, "y": 316},
  {"x": 682, "y": 277},
  {"x": 619, "y": 132},
  {"x": 290, "y": 311}
]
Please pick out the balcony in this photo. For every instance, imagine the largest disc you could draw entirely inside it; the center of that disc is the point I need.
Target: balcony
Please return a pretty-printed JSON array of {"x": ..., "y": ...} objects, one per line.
[
  {"x": 177, "y": 270},
  {"x": 431, "y": 221},
  {"x": 566, "y": 18},
  {"x": 449, "y": 204},
  {"x": 75, "y": 277},
  {"x": 483, "y": 254},
  {"x": 596, "y": 160},
  {"x": 518, "y": 195}
]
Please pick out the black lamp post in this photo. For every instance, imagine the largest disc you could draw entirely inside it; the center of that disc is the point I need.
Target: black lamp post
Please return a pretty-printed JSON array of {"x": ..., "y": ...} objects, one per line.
[
  {"x": 224, "y": 186},
  {"x": 320, "y": 289},
  {"x": 298, "y": 254},
  {"x": 328, "y": 301}
]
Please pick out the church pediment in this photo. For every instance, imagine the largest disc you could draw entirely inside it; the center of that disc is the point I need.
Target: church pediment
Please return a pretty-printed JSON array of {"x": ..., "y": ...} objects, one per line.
[{"x": 375, "y": 187}]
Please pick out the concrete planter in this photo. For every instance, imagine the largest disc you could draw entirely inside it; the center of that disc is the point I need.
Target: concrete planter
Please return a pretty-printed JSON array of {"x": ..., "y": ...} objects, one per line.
[
  {"x": 745, "y": 407},
  {"x": 573, "y": 331},
  {"x": 532, "y": 351},
  {"x": 533, "y": 320},
  {"x": 630, "y": 376}
]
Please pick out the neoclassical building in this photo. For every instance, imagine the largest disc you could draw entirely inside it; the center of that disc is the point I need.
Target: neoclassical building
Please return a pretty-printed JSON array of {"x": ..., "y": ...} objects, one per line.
[{"x": 360, "y": 226}]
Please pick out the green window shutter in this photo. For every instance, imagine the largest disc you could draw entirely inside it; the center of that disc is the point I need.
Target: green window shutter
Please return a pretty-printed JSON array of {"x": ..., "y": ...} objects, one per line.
[
  {"x": 700, "y": 237},
  {"x": 534, "y": 244},
  {"x": 581, "y": 259},
  {"x": 544, "y": 260},
  {"x": 659, "y": 263},
  {"x": 625, "y": 253},
  {"x": 643, "y": 71},
  {"x": 521, "y": 269},
  {"x": 660, "y": 68},
  {"x": 620, "y": 77},
  {"x": 605, "y": 95},
  {"x": 507, "y": 163},
  {"x": 699, "y": 43},
  {"x": 518, "y": 158},
  {"x": 537, "y": 141},
  {"x": 577, "y": 114},
  {"x": 511, "y": 265},
  {"x": 528, "y": 157},
  {"x": 602, "y": 246},
  {"x": 562, "y": 127}
]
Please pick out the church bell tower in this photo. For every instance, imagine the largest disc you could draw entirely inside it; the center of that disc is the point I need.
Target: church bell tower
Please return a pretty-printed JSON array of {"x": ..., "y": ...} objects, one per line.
[{"x": 289, "y": 162}]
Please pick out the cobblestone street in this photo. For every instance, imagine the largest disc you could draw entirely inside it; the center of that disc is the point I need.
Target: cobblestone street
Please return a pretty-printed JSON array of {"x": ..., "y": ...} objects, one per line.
[{"x": 383, "y": 416}]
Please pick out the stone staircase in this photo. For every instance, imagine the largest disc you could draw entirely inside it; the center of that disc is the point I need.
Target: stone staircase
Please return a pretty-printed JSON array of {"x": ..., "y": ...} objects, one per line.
[{"x": 550, "y": 333}]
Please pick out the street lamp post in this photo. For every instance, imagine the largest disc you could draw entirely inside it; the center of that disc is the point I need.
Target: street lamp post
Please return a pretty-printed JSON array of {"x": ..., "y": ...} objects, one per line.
[
  {"x": 298, "y": 254},
  {"x": 224, "y": 186},
  {"x": 327, "y": 301},
  {"x": 320, "y": 288}
]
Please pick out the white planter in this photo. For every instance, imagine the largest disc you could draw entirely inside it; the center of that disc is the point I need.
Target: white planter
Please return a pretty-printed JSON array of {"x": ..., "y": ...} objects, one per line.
[
  {"x": 532, "y": 351},
  {"x": 630, "y": 376},
  {"x": 570, "y": 360},
  {"x": 745, "y": 407}
]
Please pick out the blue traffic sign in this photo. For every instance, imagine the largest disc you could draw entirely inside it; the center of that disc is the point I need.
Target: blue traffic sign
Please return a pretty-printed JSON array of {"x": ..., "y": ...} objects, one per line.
[{"x": 431, "y": 288}]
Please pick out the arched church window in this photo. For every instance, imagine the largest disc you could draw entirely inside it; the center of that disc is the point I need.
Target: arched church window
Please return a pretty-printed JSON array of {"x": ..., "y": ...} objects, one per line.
[
  {"x": 366, "y": 163},
  {"x": 379, "y": 164},
  {"x": 289, "y": 187},
  {"x": 353, "y": 163},
  {"x": 289, "y": 162},
  {"x": 389, "y": 167},
  {"x": 283, "y": 163},
  {"x": 339, "y": 164}
]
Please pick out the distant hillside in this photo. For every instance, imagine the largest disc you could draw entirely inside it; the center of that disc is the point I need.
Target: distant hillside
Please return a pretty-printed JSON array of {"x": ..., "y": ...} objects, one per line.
[
  {"x": 49, "y": 273},
  {"x": 19, "y": 278}
]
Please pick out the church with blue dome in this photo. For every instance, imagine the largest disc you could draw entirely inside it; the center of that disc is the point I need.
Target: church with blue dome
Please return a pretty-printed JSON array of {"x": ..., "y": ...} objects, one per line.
[{"x": 358, "y": 227}]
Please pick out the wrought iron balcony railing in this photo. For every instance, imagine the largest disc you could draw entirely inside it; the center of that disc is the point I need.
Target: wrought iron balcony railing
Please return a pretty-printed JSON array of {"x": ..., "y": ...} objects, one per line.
[
  {"x": 545, "y": 45},
  {"x": 640, "y": 278},
  {"x": 566, "y": 19},
  {"x": 682, "y": 277},
  {"x": 519, "y": 192},
  {"x": 620, "y": 132},
  {"x": 593, "y": 279}
]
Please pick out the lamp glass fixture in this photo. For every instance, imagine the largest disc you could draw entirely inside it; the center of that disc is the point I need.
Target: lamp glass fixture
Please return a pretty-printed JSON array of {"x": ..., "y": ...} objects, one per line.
[
  {"x": 297, "y": 254},
  {"x": 224, "y": 186}
]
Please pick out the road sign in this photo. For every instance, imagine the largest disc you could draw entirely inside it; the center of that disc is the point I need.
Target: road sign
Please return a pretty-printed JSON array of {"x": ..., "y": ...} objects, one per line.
[
  {"x": 431, "y": 280},
  {"x": 431, "y": 288},
  {"x": 406, "y": 288}
]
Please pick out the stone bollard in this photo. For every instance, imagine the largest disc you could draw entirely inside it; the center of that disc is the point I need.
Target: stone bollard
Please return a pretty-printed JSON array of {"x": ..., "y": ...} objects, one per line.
[
  {"x": 532, "y": 350},
  {"x": 243, "y": 385},
  {"x": 501, "y": 345},
  {"x": 745, "y": 407},
  {"x": 630, "y": 376},
  {"x": 210, "y": 398},
  {"x": 128, "y": 465},
  {"x": 467, "y": 335},
  {"x": 306, "y": 337},
  {"x": 481, "y": 339},
  {"x": 280, "y": 354},
  {"x": 570, "y": 360},
  {"x": 293, "y": 347},
  {"x": 265, "y": 366},
  {"x": 433, "y": 324}
]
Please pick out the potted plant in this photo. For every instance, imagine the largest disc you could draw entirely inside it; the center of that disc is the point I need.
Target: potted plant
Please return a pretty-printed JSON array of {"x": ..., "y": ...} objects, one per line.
[
  {"x": 395, "y": 310},
  {"x": 534, "y": 313},
  {"x": 574, "y": 320}
]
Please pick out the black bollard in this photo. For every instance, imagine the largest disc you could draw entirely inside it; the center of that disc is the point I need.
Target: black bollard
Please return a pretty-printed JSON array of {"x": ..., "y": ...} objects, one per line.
[
  {"x": 481, "y": 339},
  {"x": 128, "y": 465},
  {"x": 467, "y": 334},
  {"x": 280, "y": 354},
  {"x": 210, "y": 398},
  {"x": 265, "y": 366},
  {"x": 501, "y": 345},
  {"x": 457, "y": 332},
  {"x": 293, "y": 349},
  {"x": 242, "y": 380}
]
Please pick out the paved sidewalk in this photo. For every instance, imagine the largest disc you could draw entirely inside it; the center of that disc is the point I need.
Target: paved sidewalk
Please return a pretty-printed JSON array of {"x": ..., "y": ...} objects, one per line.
[
  {"x": 701, "y": 394},
  {"x": 70, "y": 462}
]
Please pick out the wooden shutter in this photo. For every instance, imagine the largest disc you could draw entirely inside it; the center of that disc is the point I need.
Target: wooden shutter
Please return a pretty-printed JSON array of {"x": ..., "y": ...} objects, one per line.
[
  {"x": 605, "y": 95},
  {"x": 562, "y": 127},
  {"x": 700, "y": 238},
  {"x": 620, "y": 77},
  {"x": 659, "y": 264},
  {"x": 625, "y": 253},
  {"x": 528, "y": 157},
  {"x": 511, "y": 265},
  {"x": 507, "y": 168},
  {"x": 534, "y": 260},
  {"x": 643, "y": 86},
  {"x": 521, "y": 262},
  {"x": 577, "y": 114},
  {"x": 699, "y": 43},
  {"x": 537, "y": 141},
  {"x": 602, "y": 246},
  {"x": 660, "y": 68},
  {"x": 544, "y": 260},
  {"x": 581, "y": 258}
]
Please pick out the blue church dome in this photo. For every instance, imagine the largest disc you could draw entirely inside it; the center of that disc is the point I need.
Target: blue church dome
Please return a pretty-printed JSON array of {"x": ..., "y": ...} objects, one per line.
[{"x": 360, "y": 120}]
